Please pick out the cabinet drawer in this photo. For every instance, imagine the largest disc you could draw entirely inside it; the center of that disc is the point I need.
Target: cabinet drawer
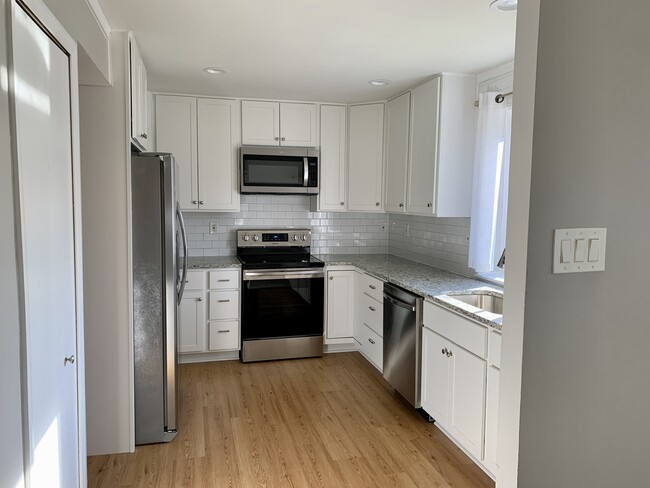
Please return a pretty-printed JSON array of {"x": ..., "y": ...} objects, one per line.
[
  {"x": 195, "y": 280},
  {"x": 494, "y": 349},
  {"x": 372, "y": 347},
  {"x": 224, "y": 280},
  {"x": 463, "y": 332},
  {"x": 371, "y": 313},
  {"x": 224, "y": 305},
  {"x": 372, "y": 286},
  {"x": 224, "y": 335}
]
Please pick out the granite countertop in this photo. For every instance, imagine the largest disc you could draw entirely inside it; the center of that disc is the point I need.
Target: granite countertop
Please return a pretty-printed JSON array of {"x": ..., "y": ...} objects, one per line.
[
  {"x": 431, "y": 283},
  {"x": 213, "y": 262}
]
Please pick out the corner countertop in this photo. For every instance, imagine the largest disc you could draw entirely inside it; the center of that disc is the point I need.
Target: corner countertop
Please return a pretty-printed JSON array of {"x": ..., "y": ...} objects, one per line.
[
  {"x": 213, "y": 262},
  {"x": 431, "y": 283}
]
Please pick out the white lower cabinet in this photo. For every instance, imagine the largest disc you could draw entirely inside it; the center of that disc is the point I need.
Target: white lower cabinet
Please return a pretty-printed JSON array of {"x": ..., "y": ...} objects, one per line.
[
  {"x": 340, "y": 304},
  {"x": 208, "y": 318},
  {"x": 458, "y": 389}
]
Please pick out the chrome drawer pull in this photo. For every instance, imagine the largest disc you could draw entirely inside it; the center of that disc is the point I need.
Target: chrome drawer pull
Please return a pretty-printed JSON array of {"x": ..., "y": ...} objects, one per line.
[
  {"x": 372, "y": 287},
  {"x": 371, "y": 341},
  {"x": 223, "y": 281},
  {"x": 224, "y": 301},
  {"x": 223, "y": 331},
  {"x": 372, "y": 309}
]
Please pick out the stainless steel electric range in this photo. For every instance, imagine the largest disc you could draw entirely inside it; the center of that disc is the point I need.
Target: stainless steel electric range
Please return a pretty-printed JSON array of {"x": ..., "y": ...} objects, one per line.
[{"x": 282, "y": 297}]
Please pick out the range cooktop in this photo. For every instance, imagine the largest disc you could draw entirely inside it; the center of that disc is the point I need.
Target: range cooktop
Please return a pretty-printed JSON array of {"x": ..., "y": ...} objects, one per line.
[{"x": 276, "y": 249}]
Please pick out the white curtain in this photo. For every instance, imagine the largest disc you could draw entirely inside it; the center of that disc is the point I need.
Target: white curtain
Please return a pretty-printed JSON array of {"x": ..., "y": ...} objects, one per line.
[{"x": 490, "y": 184}]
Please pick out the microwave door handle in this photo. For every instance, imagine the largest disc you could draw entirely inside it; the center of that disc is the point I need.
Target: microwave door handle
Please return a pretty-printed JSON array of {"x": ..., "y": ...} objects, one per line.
[{"x": 306, "y": 173}]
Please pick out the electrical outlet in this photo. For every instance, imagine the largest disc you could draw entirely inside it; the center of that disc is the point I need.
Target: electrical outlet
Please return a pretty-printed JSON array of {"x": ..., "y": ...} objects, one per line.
[
  {"x": 213, "y": 228},
  {"x": 383, "y": 227}
]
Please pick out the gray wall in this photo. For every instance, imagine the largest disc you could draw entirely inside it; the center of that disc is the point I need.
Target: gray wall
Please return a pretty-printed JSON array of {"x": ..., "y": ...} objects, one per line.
[
  {"x": 586, "y": 358},
  {"x": 11, "y": 440}
]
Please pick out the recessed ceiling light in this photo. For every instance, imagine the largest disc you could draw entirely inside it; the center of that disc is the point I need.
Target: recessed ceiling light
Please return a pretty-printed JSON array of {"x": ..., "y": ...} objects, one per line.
[
  {"x": 379, "y": 82},
  {"x": 504, "y": 5},
  {"x": 215, "y": 71}
]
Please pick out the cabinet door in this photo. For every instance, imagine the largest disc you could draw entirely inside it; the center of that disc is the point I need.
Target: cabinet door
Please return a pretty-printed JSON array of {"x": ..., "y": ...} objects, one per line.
[
  {"x": 423, "y": 156},
  {"x": 366, "y": 155},
  {"x": 435, "y": 376},
  {"x": 340, "y": 304},
  {"x": 260, "y": 123},
  {"x": 135, "y": 67},
  {"x": 298, "y": 124},
  {"x": 176, "y": 133},
  {"x": 143, "y": 110},
  {"x": 397, "y": 152},
  {"x": 333, "y": 145},
  {"x": 218, "y": 141},
  {"x": 492, "y": 420},
  {"x": 467, "y": 400},
  {"x": 192, "y": 322}
]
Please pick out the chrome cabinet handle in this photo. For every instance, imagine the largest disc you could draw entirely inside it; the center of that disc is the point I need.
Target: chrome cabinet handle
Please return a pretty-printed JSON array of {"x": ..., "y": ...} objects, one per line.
[
  {"x": 377, "y": 204},
  {"x": 444, "y": 351},
  {"x": 371, "y": 341},
  {"x": 331, "y": 278},
  {"x": 223, "y": 331},
  {"x": 372, "y": 287},
  {"x": 224, "y": 301},
  {"x": 223, "y": 281},
  {"x": 429, "y": 205},
  {"x": 143, "y": 135},
  {"x": 199, "y": 299},
  {"x": 194, "y": 202},
  {"x": 342, "y": 203},
  {"x": 449, "y": 354},
  {"x": 372, "y": 309},
  {"x": 283, "y": 139},
  {"x": 277, "y": 138},
  {"x": 200, "y": 202},
  {"x": 401, "y": 205},
  {"x": 70, "y": 360}
]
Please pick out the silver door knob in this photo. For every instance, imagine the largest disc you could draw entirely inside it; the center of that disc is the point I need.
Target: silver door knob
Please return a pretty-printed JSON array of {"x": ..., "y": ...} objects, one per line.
[
  {"x": 70, "y": 360},
  {"x": 377, "y": 204},
  {"x": 143, "y": 135}
]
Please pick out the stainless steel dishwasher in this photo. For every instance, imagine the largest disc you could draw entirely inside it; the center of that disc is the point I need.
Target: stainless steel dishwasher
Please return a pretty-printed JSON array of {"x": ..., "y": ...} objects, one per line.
[{"x": 402, "y": 339}]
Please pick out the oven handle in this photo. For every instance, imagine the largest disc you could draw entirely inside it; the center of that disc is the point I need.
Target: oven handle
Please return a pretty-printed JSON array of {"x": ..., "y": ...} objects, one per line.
[
  {"x": 285, "y": 274},
  {"x": 306, "y": 172}
]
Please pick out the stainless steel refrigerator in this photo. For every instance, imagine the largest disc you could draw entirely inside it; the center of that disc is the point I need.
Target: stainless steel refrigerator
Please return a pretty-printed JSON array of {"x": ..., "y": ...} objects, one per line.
[{"x": 159, "y": 274}]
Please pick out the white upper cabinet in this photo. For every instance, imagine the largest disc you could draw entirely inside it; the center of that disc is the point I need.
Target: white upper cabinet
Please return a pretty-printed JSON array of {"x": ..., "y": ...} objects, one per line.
[
  {"x": 365, "y": 157},
  {"x": 218, "y": 142},
  {"x": 397, "y": 152},
  {"x": 441, "y": 160},
  {"x": 278, "y": 124},
  {"x": 138, "y": 92},
  {"x": 333, "y": 133},
  {"x": 176, "y": 134},
  {"x": 203, "y": 136}
]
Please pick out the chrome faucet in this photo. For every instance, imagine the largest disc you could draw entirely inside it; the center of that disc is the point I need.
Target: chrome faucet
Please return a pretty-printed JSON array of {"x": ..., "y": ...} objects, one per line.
[{"x": 502, "y": 260}]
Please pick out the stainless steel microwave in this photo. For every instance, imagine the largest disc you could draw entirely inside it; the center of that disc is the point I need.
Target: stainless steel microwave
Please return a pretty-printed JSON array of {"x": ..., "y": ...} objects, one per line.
[{"x": 282, "y": 170}]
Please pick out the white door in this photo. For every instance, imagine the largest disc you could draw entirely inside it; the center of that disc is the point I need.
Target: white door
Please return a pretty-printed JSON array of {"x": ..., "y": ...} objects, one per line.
[
  {"x": 340, "y": 304},
  {"x": 298, "y": 124},
  {"x": 218, "y": 141},
  {"x": 435, "y": 376},
  {"x": 260, "y": 123},
  {"x": 397, "y": 152},
  {"x": 176, "y": 134},
  {"x": 424, "y": 148},
  {"x": 46, "y": 145},
  {"x": 192, "y": 322},
  {"x": 366, "y": 157},
  {"x": 333, "y": 133},
  {"x": 467, "y": 400}
]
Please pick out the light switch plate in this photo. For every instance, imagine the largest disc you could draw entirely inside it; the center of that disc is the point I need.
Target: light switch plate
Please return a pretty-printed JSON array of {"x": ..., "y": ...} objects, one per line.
[{"x": 579, "y": 250}]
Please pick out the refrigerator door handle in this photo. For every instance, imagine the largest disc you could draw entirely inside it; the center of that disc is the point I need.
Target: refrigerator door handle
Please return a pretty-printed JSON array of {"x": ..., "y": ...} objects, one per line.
[{"x": 184, "y": 237}]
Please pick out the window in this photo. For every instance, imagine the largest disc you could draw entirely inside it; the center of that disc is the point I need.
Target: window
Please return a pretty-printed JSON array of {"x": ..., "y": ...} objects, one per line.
[{"x": 490, "y": 185}]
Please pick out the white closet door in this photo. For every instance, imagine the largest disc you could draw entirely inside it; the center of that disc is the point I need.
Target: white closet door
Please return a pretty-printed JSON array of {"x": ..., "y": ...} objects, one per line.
[{"x": 43, "y": 100}]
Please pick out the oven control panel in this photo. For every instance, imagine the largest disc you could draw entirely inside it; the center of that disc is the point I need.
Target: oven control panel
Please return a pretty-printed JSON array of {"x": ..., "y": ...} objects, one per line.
[{"x": 274, "y": 238}]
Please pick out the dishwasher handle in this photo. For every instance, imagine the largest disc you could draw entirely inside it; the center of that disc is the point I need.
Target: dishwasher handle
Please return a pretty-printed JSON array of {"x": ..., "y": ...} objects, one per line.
[{"x": 399, "y": 303}]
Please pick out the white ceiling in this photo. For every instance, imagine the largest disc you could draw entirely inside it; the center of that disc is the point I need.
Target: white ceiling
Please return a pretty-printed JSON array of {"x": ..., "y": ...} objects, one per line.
[{"x": 320, "y": 50}]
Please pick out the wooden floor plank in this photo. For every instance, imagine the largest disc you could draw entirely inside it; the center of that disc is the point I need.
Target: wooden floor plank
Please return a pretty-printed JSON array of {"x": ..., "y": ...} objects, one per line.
[{"x": 324, "y": 422}]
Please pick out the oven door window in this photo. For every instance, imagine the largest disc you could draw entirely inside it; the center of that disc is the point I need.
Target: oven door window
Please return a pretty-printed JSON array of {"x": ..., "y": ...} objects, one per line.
[
  {"x": 282, "y": 308},
  {"x": 274, "y": 171}
]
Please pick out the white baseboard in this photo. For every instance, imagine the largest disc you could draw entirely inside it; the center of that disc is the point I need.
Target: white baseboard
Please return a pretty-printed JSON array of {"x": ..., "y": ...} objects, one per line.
[{"x": 205, "y": 357}]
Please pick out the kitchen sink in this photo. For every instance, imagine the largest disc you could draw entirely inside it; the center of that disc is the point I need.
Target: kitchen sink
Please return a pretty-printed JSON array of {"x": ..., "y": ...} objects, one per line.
[{"x": 489, "y": 303}]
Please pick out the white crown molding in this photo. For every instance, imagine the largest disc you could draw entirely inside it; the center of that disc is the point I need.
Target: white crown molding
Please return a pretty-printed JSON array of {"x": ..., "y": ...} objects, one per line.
[{"x": 99, "y": 16}]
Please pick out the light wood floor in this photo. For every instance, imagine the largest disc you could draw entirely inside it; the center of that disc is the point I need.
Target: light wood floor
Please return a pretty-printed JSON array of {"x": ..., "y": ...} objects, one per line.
[{"x": 329, "y": 422}]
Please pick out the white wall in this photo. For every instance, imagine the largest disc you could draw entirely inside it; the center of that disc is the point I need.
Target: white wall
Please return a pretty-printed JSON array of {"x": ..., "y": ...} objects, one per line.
[
  {"x": 105, "y": 181},
  {"x": 586, "y": 365},
  {"x": 11, "y": 440}
]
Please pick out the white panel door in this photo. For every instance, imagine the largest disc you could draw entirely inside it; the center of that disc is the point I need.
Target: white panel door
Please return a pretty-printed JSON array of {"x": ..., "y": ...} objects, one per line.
[
  {"x": 176, "y": 134},
  {"x": 366, "y": 157},
  {"x": 492, "y": 419},
  {"x": 340, "y": 304},
  {"x": 44, "y": 114},
  {"x": 397, "y": 152},
  {"x": 218, "y": 141},
  {"x": 435, "y": 376},
  {"x": 192, "y": 322},
  {"x": 467, "y": 400},
  {"x": 333, "y": 134},
  {"x": 260, "y": 123},
  {"x": 298, "y": 124},
  {"x": 423, "y": 156}
]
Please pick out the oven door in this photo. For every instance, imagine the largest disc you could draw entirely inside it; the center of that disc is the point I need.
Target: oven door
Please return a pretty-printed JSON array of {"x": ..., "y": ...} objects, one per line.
[
  {"x": 278, "y": 174},
  {"x": 282, "y": 304}
]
